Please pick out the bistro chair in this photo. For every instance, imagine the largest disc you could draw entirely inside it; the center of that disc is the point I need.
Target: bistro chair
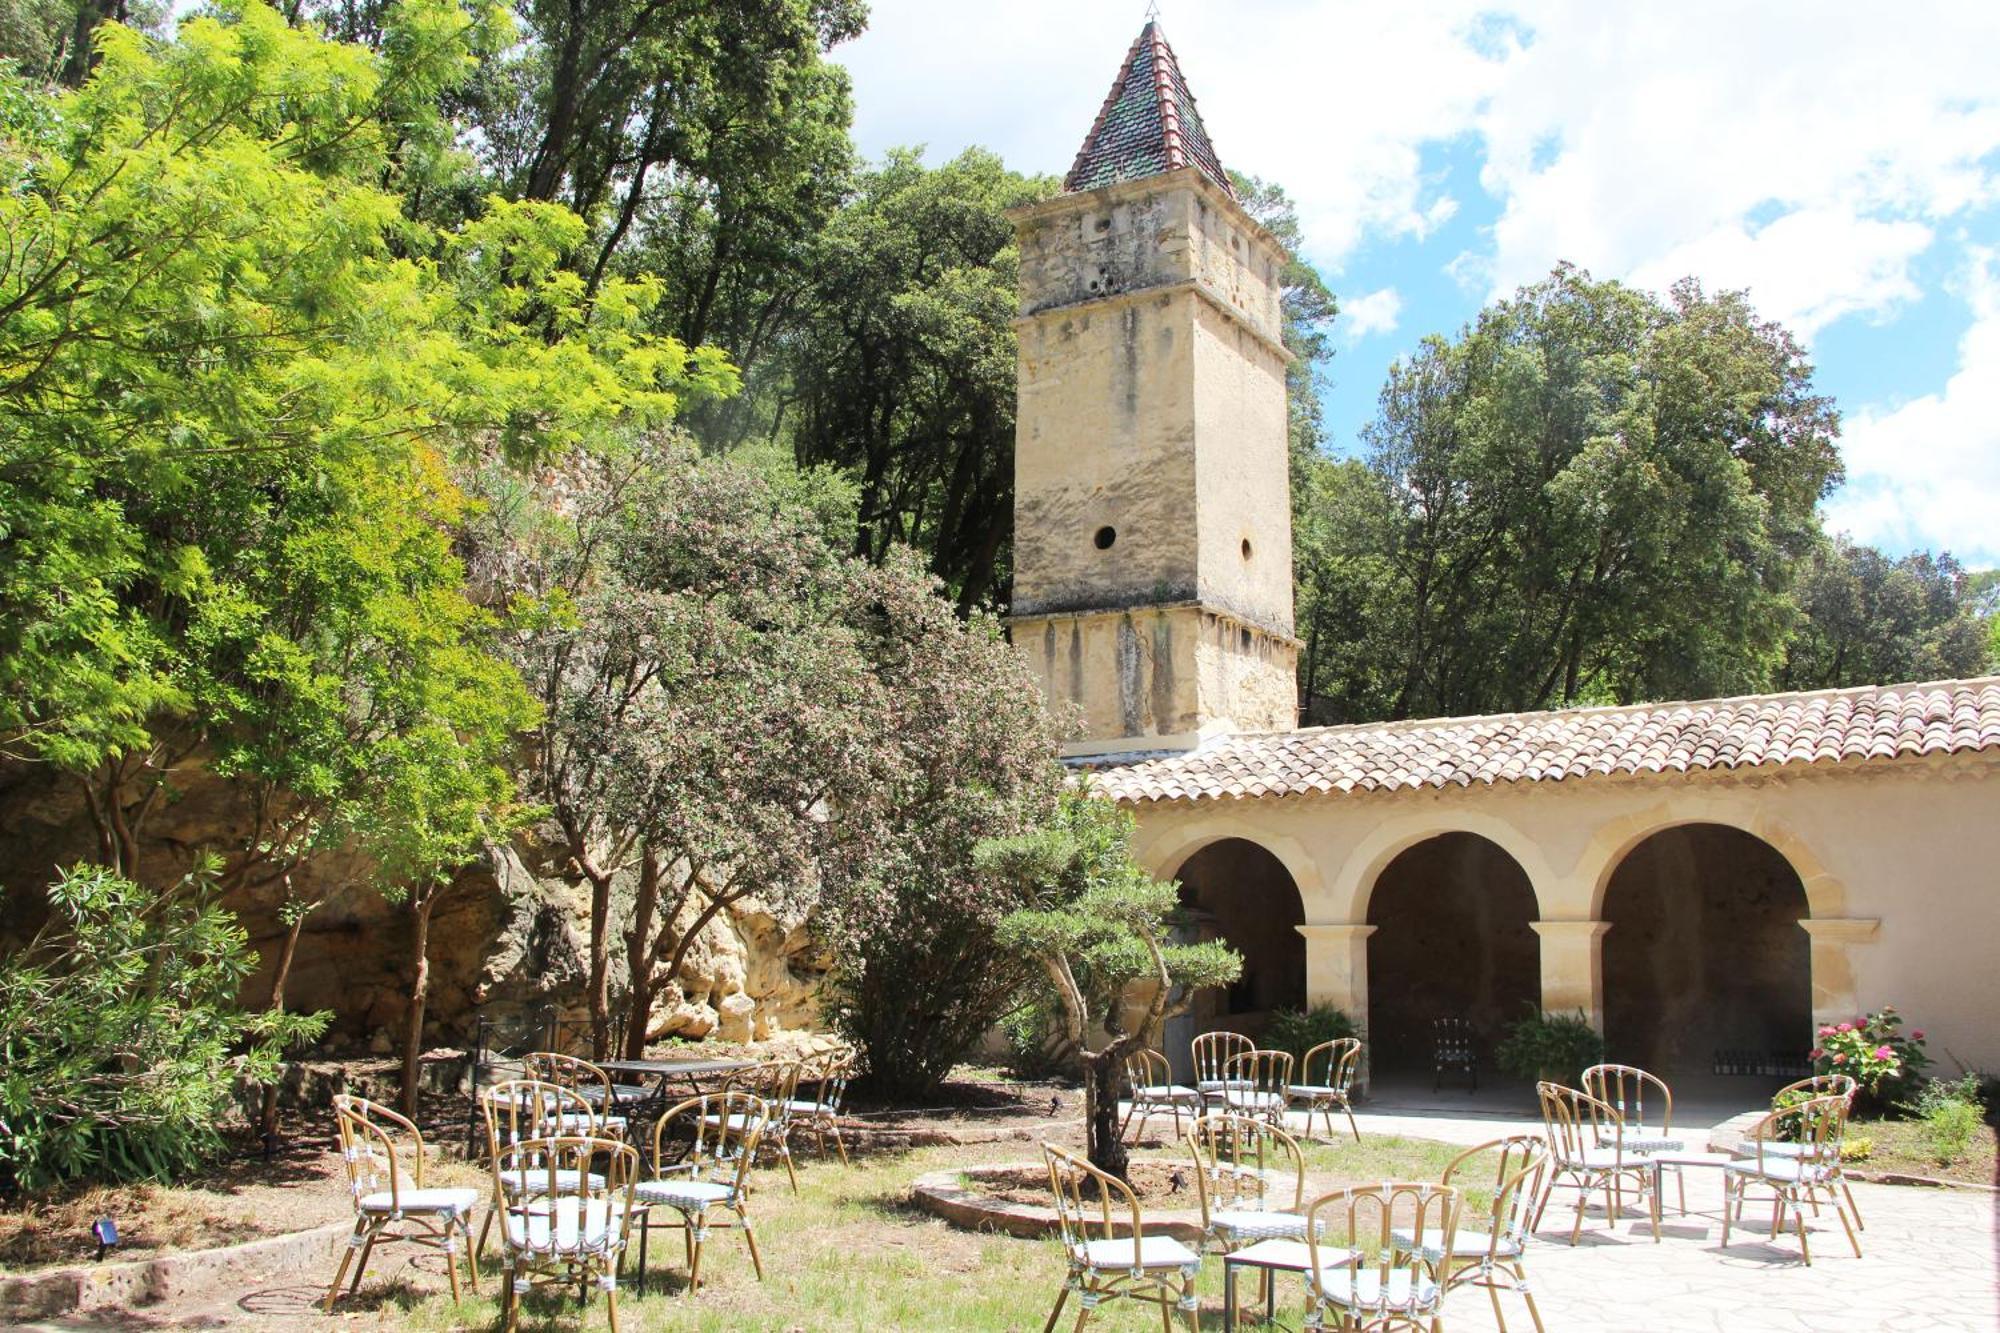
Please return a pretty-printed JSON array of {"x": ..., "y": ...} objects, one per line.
[
  {"x": 1493, "y": 1258},
  {"x": 1212, "y": 1053},
  {"x": 1645, "y": 1107},
  {"x": 1383, "y": 1282},
  {"x": 1797, "y": 1177},
  {"x": 821, "y": 1092},
  {"x": 523, "y": 1111},
  {"x": 1454, "y": 1050},
  {"x": 1151, "y": 1081},
  {"x": 713, "y": 1178},
  {"x": 1090, "y": 1207},
  {"x": 573, "y": 1226},
  {"x": 374, "y": 1142},
  {"x": 1842, "y": 1086},
  {"x": 775, "y": 1083},
  {"x": 1250, "y": 1179},
  {"x": 1588, "y": 1150},
  {"x": 1335, "y": 1062},
  {"x": 1259, "y": 1083},
  {"x": 588, "y": 1082}
]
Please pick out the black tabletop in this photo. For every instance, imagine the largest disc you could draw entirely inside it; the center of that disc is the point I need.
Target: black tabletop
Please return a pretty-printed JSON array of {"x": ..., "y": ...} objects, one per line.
[{"x": 672, "y": 1068}]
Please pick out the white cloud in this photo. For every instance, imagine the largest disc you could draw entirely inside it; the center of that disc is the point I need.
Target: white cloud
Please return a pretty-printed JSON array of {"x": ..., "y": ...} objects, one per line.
[
  {"x": 1377, "y": 312},
  {"x": 1927, "y": 473}
]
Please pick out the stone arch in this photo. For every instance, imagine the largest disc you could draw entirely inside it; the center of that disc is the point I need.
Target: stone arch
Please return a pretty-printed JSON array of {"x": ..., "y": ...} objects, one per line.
[
  {"x": 1826, "y": 896},
  {"x": 1452, "y": 935},
  {"x": 1704, "y": 966},
  {"x": 1358, "y": 875},
  {"x": 1164, "y": 846},
  {"x": 1236, "y": 890}
]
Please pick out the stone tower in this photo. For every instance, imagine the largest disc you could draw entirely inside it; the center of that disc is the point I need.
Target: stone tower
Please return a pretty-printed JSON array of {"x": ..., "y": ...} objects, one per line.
[{"x": 1152, "y": 514}]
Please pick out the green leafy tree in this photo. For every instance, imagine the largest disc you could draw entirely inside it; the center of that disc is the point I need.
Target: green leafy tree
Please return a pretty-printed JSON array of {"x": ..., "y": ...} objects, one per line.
[
  {"x": 119, "y": 1029},
  {"x": 1867, "y": 619},
  {"x": 901, "y": 368},
  {"x": 1590, "y": 494},
  {"x": 1103, "y": 934}
]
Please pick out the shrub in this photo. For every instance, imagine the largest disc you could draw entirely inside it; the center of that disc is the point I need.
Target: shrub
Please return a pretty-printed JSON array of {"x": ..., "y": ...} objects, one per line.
[
  {"x": 1036, "y": 1046},
  {"x": 1299, "y": 1030},
  {"x": 1857, "y": 1148},
  {"x": 117, "y": 1023},
  {"x": 1875, "y": 1051},
  {"x": 1952, "y": 1113},
  {"x": 1557, "y": 1047}
]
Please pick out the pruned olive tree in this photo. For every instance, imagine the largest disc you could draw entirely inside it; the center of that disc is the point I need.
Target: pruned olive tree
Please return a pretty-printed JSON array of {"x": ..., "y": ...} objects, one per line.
[{"x": 1106, "y": 938}]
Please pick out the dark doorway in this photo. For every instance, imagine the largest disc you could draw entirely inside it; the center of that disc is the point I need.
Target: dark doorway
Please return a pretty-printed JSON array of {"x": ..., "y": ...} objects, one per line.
[
  {"x": 1705, "y": 954},
  {"x": 1238, "y": 892},
  {"x": 1452, "y": 939}
]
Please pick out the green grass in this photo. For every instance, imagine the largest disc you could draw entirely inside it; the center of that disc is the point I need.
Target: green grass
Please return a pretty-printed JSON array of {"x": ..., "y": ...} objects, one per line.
[{"x": 849, "y": 1253}]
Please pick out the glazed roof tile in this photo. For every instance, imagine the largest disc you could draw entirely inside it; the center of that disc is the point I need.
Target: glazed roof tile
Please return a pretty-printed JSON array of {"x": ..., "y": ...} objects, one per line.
[
  {"x": 1827, "y": 728},
  {"x": 1148, "y": 124}
]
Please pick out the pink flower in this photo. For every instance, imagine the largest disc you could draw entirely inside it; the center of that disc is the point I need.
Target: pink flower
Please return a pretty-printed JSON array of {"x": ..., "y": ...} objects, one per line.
[
  {"x": 1847, "y": 1027},
  {"x": 1884, "y": 1053},
  {"x": 1826, "y": 1031},
  {"x": 1840, "y": 1059},
  {"x": 1817, "y": 1054},
  {"x": 1918, "y": 1035}
]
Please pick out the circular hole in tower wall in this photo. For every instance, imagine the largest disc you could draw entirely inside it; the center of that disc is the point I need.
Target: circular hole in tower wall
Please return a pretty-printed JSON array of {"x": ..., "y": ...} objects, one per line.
[
  {"x": 1105, "y": 537},
  {"x": 1246, "y": 548}
]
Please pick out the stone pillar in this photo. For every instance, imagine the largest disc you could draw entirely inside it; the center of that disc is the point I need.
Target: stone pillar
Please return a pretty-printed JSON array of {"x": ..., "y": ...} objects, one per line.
[
  {"x": 1337, "y": 967},
  {"x": 1833, "y": 995},
  {"x": 1573, "y": 968}
]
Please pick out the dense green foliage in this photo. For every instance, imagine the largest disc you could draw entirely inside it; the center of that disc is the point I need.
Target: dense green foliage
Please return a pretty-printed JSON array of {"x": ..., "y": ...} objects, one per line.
[
  {"x": 1100, "y": 929},
  {"x": 1299, "y": 1030},
  {"x": 1866, "y": 618},
  {"x": 117, "y": 1028},
  {"x": 1556, "y": 1047}
]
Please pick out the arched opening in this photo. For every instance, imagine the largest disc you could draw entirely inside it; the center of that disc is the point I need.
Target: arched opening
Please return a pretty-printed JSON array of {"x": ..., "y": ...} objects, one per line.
[
  {"x": 1453, "y": 939},
  {"x": 1705, "y": 967},
  {"x": 1235, "y": 891}
]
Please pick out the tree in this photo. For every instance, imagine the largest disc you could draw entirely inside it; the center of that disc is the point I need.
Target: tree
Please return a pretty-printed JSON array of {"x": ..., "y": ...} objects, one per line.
[
  {"x": 233, "y": 376},
  {"x": 901, "y": 369},
  {"x": 1103, "y": 934},
  {"x": 1868, "y": 620},
  {"x": 1590, "y": 494}
]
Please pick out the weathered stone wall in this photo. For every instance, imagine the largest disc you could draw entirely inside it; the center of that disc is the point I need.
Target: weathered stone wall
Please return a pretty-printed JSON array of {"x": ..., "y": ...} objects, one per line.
[{"x": 508, "y": 937}]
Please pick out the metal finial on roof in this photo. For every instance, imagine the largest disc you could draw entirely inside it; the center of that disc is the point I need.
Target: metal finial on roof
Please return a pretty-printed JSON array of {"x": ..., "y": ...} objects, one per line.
[{"x": 1152, "y": 9}]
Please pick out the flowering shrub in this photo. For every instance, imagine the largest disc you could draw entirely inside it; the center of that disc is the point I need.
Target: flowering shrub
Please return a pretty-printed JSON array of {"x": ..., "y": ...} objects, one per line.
[{"x": 1874, "y": 1051}]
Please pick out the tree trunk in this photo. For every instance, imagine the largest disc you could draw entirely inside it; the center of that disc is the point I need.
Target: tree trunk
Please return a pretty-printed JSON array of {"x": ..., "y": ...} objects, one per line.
[
  {"x": 267, "y": 1118},
  {"x": 421, "y": 903},
  {"x": 639, "y": 956},
  {"x": 600, "y": 965},
  {"x": 1103, "y": 1084}
]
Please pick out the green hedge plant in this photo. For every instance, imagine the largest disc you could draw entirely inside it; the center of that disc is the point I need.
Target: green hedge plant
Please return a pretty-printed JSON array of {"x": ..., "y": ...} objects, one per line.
[
  {"x": 1299, "y": 1030},
  {"x": 1555, "y": 1047}
]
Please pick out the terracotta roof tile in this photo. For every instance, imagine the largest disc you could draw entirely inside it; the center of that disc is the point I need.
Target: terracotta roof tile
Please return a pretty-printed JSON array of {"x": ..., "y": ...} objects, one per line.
[{"x": 1880, "y": 722}]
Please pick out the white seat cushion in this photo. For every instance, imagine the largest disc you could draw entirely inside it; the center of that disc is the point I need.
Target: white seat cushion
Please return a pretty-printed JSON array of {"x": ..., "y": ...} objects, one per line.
[
  {"x": 810, "y": 1108},
  {"x": 1789, "y": 1170},
  {"x": 1779, "y": 1148},
  {"x": 1215, "y": 1085},
  {"x": 1642, "y": 1140},
  {"x": 1243, "y": 1099},
  {"x": 1363, "y": 1289},
  {"x": 1317, "y": 1090},
  {"x": 1256, "y": 1224},
  {"x": 1154, "y": 1252},
  {"x": 575, "y": 1122},
  {"x": 1464, "y": 1245},
  {"x": 528, "y": 1180},
  {"x": 460, "y": 1201},
  {"x": 1606, "y": 1159},
  {"x": 568, "y": 1225},
  {"x": 684, "y": 1193},
  {"x": 1164, "y": 1092}
]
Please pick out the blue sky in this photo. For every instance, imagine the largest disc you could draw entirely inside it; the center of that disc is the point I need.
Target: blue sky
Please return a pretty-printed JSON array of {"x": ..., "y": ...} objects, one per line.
[{"x": 1838, "y": 158}]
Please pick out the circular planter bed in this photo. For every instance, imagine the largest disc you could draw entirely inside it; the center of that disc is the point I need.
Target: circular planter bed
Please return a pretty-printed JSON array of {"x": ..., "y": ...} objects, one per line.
[{"x": 997, "y": 1198}]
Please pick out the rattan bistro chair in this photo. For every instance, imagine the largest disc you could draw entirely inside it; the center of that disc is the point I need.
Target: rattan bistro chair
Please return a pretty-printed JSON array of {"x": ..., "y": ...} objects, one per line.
[
  {"x": 1383, "y": 1282},
  {"x": 1152, "y": 1088},
  {"x": 385, "y": 1195},
  {"x": 1842, "y": 1086},
  {"x": 1335, "y": 1062},
  {"x": 519, "y": 1111},
  {"x": 592, "y": 1086},
  {"x": 1259, "y": 1083},
  {"x": 1090, "y": 1207},
  {"x": 1250, "y": 1179},
  {"x": 1212, "y": 1053},
  {"x": 1587, "y": 1151},
  {"x": 572, "y": 1227},
  {"x": 1645, "y": 1107},
  {"x": 1796, "y": 1177},
  {"x": 820, "y": 1094},
  {"x": 776, "y": 1084},
  {"x": 713, "y": 1178},
  {"x": 1493, "y": 1258}
]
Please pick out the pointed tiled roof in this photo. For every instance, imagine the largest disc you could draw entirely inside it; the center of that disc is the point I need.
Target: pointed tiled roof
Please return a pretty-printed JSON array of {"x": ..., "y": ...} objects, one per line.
[
  {"x": 1148, "y": 124},
  {"x": 1818, "y": 730}
]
